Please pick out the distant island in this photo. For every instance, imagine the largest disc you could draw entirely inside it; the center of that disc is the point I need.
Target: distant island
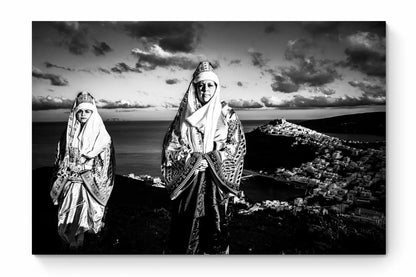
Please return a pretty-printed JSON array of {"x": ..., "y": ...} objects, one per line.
[{"x": 338, "y": 204}]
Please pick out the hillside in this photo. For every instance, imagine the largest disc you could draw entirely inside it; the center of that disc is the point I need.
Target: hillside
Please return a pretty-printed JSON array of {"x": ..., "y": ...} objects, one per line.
[
  {"x": 364, "y": 123},
  {"x": 138, "y": 221}
]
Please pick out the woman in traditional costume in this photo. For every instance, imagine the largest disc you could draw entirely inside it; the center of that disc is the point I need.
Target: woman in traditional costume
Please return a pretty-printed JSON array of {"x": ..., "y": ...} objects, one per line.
[
  {"x": 85, "y": 170},
  {"x": 202, "y": 164}
]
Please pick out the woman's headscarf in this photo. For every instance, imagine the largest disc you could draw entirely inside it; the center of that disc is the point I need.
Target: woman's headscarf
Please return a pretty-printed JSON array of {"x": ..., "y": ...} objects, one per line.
[
  {"x": 93, "y": 137},
  {"x": 204, "y": 117}
]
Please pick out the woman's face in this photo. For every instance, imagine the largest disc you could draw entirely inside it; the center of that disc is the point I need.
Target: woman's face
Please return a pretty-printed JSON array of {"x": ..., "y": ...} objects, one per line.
[
  {"x": 83, "y": 115},
  {"x": 205, "y": 90}
]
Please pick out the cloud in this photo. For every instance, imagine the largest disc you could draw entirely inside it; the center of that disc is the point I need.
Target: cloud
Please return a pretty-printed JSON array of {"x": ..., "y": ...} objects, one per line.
[
  {"x": 369, "y": 89},
  {"x": 237, "y": 61},
  {"x": 169, "y": 105},
  {"x": 50, "y": 103},
  {"x": 299, "y": 101},
  {"x": 74, "y": 36},
  {"x": 299, "y": 49},
  {"x": 306, "y": 71},
  {"x": 101, "y": 48},
  {"x": 272, "y": 101},
  {"x": 170, "y": 36},
  {"x": 328, "y": 28},
  {"x": 338, "y": 30},
  {"x": 366, "y": 52},
  {"x": 121, "y": 104},
  {"x": 312, "y": 72},
  {"x": 51, "y": 65},
  {"x": 323, "y": 90},
  {"x": 172, "y": 81},
  {"x": 155, "y": 57},
  {"x": 123, "y": 67},
  {"x": 257, "y": 58},
  {"x": 103, "y": 70},
  {"x": 244, "y": 104},
  {"x": 56, "y": 80},
  {"x": 283, "y": 83}
]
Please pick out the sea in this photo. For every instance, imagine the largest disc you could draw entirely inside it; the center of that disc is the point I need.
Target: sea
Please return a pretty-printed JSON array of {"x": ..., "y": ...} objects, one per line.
[
  {"x": 138, "y": 144},
  {"x": 138, "y": 147}
]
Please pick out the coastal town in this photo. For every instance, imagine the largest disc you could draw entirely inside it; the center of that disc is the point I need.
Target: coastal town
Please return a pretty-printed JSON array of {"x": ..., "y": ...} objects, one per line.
[{"x": 346, "y": 177}]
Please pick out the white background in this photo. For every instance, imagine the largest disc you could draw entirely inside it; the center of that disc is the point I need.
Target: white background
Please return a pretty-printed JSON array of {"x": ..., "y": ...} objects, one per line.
[{"x": 15, "y": 204}]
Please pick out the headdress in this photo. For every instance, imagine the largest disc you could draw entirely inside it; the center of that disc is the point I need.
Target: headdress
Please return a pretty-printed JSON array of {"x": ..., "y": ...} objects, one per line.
[
  {"x": 92, "y": 137},
  {"x": 204, "y": 118}
]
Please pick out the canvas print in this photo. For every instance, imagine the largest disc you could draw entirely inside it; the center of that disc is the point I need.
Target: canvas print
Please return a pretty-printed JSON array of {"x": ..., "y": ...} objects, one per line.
[{"x": 195, "y": 138}]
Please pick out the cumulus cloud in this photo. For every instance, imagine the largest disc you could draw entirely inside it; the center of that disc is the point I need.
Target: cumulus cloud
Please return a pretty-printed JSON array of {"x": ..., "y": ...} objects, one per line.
[
  {"x": 170, "y": 36},
  {"x": 74, "y": 36},
  {"x": 169, "y": 105},
  {"x": 56, "y": 80},
  {"x": 101, "y": 48},
  {"x": 155, "y": 57},
  {"x": 283, "y": 83},
  {"x": 366, "y": 52},
  {"x": 306, "y": 71},
  {"x": 312, "y": 72},
  {"x": 50, "y": 103},
  {"x": 299, "y": 49},
  {"x": 323, "y": 90},
  {"x": 272, "y": 101},
  {"x": 172, "y": 81},
  {"x": 123, "y": 67},
  {"x": 369, "y": 89},
  {"x": 244, "y": 104},
  {"x": 299, "y": 101},
  {"x": 257, "y": 58},
  {"x": 121, "y": 104}
]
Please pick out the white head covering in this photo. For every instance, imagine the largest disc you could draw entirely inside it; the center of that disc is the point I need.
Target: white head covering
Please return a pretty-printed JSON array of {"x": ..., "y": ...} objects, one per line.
[
  {"x": 204, "y": 118},
  {"x": 93, "y": 137}
]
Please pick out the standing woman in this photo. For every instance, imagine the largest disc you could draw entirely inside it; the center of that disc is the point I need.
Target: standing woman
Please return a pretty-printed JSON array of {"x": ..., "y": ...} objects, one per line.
[
  {"x": 85, "y": 170},
  {"x": 202, "y": 164}
]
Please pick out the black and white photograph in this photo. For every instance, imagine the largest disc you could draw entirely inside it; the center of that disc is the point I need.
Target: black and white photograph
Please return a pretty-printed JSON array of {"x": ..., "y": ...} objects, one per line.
[{"x": 209, "y": 137}]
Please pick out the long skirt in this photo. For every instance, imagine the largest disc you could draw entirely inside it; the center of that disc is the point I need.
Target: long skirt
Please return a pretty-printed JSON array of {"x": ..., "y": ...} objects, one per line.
[
  {"x": 200, "y": 220},
  {"x": 78, "y": 212}
]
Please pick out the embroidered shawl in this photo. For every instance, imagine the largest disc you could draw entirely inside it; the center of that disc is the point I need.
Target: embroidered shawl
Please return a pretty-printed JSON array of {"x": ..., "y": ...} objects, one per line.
[{"x": 85, "y": 155}]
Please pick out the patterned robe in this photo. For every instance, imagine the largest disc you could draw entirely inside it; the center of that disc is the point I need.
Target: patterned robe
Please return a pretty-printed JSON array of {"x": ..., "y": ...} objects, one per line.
[
  {"x": 81, "y": 190},
  {"x": 201, "y": 199}
]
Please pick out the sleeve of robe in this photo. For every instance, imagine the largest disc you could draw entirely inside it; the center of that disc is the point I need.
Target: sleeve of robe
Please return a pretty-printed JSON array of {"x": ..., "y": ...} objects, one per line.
[
  {"x": 225, "y": 163},
  {"x": 178, "y": 163},
  {"x": 227, "y": 160}
]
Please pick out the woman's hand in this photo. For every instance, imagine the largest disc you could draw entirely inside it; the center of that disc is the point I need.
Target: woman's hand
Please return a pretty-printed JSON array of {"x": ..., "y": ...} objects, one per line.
[
  {"x": 203, "y": 165},
  {"x": 75, "y": 168}
]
